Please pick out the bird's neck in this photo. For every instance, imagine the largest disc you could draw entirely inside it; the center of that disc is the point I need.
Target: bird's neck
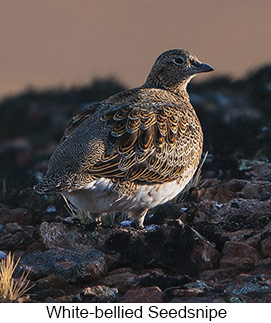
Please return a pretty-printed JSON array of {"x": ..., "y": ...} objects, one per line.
[{"x": 179, "y": 89}]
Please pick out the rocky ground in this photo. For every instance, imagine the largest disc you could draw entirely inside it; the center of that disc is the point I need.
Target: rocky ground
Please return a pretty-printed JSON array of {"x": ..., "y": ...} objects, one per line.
[{"x": 212, "y": 244}]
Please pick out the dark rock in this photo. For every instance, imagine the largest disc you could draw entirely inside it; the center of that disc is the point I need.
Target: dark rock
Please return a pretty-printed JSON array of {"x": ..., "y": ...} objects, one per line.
[
  {"x": 190, "y": 290},
  {"x": 97, "y": 294},
  {"x": 13, "y": 227},
  {"x": 238, "y": 214},
  {"x": 240, "y": 235},
  {"x": 143, "y": 295},
  {"x": 218, "y": 275},
  {"x": 49, "y": 287},
  {"x": 20, "y": 240},
  {"x": 19, "y": 215},
  {"x": 163, "y": 281},
  {"x": 266, "y": 246},
  {"x": 260, "y": 190},
  {"x": 71, "y": 266},
  {"x": 174, "y": 246},
  {"x": 251, "y": 286}
]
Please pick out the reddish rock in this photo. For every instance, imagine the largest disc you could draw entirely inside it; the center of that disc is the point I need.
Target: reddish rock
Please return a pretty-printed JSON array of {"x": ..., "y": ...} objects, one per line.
[
  {"x": 123, "y": 281},
  {"x": 21, "y": 216},
  {"x": 143, "y": 295},
  {"x": 237, "y": 254},
  {"x": 224, "y": 195},
  {"x": 266, "y": 246}
]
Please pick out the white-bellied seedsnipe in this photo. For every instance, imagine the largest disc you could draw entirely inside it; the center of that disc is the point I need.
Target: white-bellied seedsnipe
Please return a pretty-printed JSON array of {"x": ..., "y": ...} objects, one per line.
[{"x": 135, "y": 150}]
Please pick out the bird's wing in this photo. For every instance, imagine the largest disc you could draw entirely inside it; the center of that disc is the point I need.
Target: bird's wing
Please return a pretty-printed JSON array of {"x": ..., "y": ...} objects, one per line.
[
  {"x": 153, "y": 142},
  {"x": 78, "y": 119}
]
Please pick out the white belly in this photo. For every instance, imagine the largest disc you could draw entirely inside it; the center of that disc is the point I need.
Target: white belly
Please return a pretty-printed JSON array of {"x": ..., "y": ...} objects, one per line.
[{"x": 100, "y": 197}]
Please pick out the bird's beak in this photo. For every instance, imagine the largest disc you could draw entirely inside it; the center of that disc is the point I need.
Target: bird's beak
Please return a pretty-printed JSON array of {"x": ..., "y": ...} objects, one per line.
[{"x": 202, "y": 68}]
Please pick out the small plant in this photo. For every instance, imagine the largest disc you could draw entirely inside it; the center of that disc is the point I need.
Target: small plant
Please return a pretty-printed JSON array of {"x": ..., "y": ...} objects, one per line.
[{"x": 11, "y": 289}]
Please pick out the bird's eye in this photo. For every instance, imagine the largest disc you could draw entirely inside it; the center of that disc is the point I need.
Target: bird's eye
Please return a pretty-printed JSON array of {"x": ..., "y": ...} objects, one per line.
[{"x": 179, "y": 61}]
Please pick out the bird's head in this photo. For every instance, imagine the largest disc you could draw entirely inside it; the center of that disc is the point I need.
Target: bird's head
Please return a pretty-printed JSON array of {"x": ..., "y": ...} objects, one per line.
[{"x": 174, "y": 68}]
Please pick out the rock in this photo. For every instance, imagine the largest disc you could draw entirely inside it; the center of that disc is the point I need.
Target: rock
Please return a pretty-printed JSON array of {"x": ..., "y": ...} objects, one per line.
[
  {"x": 123, "y": 280},
  {"x": 97, "y": 294},
  {"x": 188, "y": 291},
  {"x": 19, "y": 215},
  {"x": 239, "y": 236},
  {"x": 218, "y": 275},
  {"x": 19, "y": 240},
  {"x": 237, "y": 214},
  {"x": 3, "y": 255},
  {"x": 163, "y": 281},
  {"x": 237, "y": 254},
  {"x": 71, "y": 266},
  {"x": 143, "y": 295},
  {"x": 71, "y": 237},
  {"x": 174, "y": 246},
  {"x": 224, "y": 195},
  {"x": 250, "y": 287},
  {"x": 13, "y": 227},
  {"x": 260, "y": 190},
  {"x": 266, "y": 246},
  {"x": 191, "y": 292}
]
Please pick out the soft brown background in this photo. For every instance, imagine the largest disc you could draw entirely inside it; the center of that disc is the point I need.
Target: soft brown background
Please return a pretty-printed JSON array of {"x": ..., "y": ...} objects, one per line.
[{"x": 63, "y": 42}]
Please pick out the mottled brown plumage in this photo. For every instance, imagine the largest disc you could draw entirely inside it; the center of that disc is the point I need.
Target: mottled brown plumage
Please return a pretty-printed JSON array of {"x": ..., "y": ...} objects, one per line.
[{"x": 134, "y": 150}]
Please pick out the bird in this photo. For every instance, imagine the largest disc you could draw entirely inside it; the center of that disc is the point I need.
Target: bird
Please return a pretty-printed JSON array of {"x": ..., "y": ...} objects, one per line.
[{"x": 133, "y": 151}]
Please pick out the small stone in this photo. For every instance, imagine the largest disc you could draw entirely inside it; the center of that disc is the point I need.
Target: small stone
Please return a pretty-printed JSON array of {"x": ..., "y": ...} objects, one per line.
[
  {"x": 151, "y": 227},
  {"x": 50, "y": 209},
  {"x": 143, "y": 295},
  {"x": 126, "y": 223},
  {"x": 3, "y": 255},
  {"x": 97, "y": 294}
]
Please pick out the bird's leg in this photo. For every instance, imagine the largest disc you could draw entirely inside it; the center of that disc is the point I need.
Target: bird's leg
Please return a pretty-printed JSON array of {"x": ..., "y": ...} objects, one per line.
[
  {"x": 97, "y": 217},
  {"x": 138, "y": 217}
]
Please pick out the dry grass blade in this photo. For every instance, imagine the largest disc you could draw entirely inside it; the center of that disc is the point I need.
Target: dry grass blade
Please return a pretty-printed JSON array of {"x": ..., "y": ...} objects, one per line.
[{"x": 12, "y": 289}]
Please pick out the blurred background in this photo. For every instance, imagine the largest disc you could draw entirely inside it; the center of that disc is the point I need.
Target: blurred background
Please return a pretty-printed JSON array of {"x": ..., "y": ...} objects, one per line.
[
  {"x": 56, "y": 56},
  {"x": 67, "y": 42}
]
